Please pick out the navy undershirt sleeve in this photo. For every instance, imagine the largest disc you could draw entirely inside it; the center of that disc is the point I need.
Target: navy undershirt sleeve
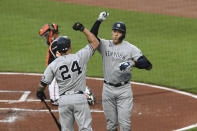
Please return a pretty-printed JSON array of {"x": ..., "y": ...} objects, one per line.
[{"x": 143, "y": 63}]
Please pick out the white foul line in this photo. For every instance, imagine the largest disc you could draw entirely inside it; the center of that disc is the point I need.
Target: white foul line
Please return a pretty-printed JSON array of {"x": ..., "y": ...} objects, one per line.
[
  {"x": 11, "y": 119},
  {"x": 149, "y": 85},
  {"x": 10, "y": 91},
  {"x": 187, "y": 128},
  {"x": 17, "y": 101},
  {"x": 41, "y": 110},
  {"x": 156, "y": 86},
  {"x": 168, "y": 89}
]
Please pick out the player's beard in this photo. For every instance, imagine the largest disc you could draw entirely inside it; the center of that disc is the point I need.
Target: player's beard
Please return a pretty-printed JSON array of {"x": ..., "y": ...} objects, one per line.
[{"x": 116, "y": 40}]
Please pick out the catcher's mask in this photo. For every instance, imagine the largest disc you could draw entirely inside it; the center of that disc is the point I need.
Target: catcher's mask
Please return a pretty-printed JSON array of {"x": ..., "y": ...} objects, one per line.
[
  {"x": 54, "y": 28},
  {"x": 121, "y": 27},
  {"x": 53, "y": 48},
  {"x": 45, "y": 30},
  {"x": 63, "y": 44}
]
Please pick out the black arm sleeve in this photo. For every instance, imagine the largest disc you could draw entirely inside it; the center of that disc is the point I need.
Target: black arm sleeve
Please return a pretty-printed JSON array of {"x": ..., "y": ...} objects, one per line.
[
  {"x": 143, "y": 63},
  {"x": 95, "y": 28}
]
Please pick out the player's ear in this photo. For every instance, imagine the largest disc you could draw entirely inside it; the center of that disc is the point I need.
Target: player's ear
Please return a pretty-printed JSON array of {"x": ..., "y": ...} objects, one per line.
[
  {"x": 69, "y": 50},
  {"x": 57, "y": 54}
]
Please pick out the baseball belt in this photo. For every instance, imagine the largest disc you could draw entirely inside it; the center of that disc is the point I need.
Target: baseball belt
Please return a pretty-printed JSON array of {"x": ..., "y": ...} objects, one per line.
[
  {"x": 71, "y": 92},
  {"x": 116, "y": 85}
]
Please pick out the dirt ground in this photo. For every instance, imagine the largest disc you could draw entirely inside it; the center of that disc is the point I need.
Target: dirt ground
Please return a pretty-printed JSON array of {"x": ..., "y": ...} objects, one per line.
[{"x": 153, "y": 110}]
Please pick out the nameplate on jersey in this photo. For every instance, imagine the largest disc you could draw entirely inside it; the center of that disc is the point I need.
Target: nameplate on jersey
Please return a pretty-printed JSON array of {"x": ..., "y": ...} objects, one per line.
[{"x": 115, "y": 54}]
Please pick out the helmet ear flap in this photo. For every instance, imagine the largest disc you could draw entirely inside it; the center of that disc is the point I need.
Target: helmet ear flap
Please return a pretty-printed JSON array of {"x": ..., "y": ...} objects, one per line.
[{"x": 122, "y": 37}]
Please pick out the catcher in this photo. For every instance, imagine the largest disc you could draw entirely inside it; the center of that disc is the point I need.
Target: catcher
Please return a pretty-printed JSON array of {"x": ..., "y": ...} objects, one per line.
[{"x": 51, "y": 33}]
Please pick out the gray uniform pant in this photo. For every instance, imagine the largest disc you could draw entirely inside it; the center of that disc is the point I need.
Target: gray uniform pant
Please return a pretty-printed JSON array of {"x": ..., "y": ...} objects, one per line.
[
  {"x": 117, "y": 105},
  {"x": 74, "y": 107}
]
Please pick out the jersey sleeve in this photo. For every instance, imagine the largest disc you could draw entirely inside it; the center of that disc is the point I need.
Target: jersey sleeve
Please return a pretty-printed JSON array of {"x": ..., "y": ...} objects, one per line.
[
  {"x": 135, "y": 53},
  {"x": 48, "y": 75},
  {"x": 85, "y": 53},
  {"x": 101, "y": 46}
]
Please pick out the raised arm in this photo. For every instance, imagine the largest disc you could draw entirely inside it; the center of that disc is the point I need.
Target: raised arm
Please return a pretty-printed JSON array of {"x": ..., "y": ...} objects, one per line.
[
  {"x": 91, "y": 37},
  {"x": 95, "y": 27}
]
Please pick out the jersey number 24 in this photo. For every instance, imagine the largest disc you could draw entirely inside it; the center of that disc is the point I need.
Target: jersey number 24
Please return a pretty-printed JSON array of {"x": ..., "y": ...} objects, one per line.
[{"x": 75, "y": 67}]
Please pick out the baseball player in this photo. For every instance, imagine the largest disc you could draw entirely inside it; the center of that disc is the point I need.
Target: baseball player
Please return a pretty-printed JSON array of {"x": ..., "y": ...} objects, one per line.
[
  {"x": 51, "y": 33},
  {"x": 69, "y": 70},
  {"x": 118, "y": 57}
]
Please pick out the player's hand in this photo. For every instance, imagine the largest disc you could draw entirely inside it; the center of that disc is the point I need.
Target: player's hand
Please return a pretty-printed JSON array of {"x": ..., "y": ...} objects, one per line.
[
  {"x": 78, "y": 26},
  {"x": 90, "y": 96},
  {"x": 91, "y": 99},
  {"x": 125, "y": 66},
  {"x": 40, "y": 95},
  {"x": 103, "y": 15}
]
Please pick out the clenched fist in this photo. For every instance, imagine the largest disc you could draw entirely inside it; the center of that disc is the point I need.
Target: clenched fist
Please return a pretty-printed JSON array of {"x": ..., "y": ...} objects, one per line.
[
  {"x": 125, "y": 66},
  {"x": 103, "y": 16},
  {"x": 40, "y": 95},
  {"x": 78, "y": 26}
]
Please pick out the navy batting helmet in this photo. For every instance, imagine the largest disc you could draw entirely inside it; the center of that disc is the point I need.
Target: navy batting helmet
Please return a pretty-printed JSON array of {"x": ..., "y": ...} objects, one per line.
[
  {"x": 121, "y": 27},
  {"x": 63, "y": 44}
]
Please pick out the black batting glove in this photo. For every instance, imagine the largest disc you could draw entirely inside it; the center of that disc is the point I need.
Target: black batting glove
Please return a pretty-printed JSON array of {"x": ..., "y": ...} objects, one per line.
[
  {"x": 125, "y": 66},
  {"x": 78, "y": 26},
  {"x": 41, "y": 95}
]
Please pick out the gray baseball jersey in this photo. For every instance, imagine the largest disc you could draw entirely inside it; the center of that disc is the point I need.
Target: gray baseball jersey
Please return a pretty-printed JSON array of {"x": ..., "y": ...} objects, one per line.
[
  {"x": 69, "y": 70},
  {"x": 70, "y": 74},
  {"x": 117, "y": 101},
  {"x": 113, "y": 55}
]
